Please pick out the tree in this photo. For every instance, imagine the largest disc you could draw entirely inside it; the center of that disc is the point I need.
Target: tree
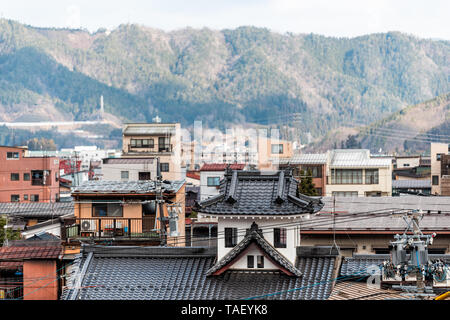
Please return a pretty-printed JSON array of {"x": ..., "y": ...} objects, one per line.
[
  {"x": 41, "y": 144},
  {"x": 306, "y": 186},
  {"x": 10, "y": 234}
]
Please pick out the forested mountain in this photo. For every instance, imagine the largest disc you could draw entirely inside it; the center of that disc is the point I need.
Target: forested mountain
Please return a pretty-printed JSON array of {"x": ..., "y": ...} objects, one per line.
[
  {"x": 407, "y": 131},
  {"x": 230, "y": 76}
]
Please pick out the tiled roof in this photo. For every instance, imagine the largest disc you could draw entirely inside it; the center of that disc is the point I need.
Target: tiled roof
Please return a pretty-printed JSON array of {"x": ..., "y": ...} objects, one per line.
[
  {"x": 259, "y": 193},
  {"x": 139, "y": 273},
  {"x": 305, "y": 158},
  {"x": 352, "y": 290},
  {"x": 148, "y": 129},
  {"x": 36, "y": 209},
  {"x": 141, "y": 187},
  {"x": 30, "y": 252},
  {"x": 361, "y": 264},
  {"x": 129, "y": 161},
  {"x": 254, "y": 236},
  {"x": 222, "y": 166},
  {"x": 411, "y": 184},
  {"x": 193, "y": 175},
  {"x": 355, "y": 158}
]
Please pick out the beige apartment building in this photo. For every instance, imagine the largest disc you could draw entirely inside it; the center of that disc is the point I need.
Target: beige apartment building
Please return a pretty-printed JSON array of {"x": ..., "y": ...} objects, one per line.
[
  {"x": 354, "y": 172},
  {"x": 155, "y": 140},
  {"x": 440, "y": 180}
]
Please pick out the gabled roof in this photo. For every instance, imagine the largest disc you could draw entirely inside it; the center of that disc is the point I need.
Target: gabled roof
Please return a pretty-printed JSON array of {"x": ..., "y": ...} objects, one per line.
[
  {"x": 179, "y": 273},
  {"x": 259, "y": 193},
  {"x": 222, "y": 166},
  {"x": 126, "y": 187},
  {"x": 254, "y": 235}
]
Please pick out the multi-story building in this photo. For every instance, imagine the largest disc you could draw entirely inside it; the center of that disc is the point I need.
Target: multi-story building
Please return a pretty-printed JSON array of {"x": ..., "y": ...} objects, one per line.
[
  {"x": 27, "y": 179},
  {"x": 210, "y": 176},
  {"x": 315, "y": 164},
  {"x": 440, "y": 178},
  {"x": 354, "y": 172},
  {"x": 155, "y": 140}
]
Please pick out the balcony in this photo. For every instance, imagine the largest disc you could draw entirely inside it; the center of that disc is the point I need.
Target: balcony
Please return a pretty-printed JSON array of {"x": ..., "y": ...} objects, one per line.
[
  {"x": 109, "y": 227},
  {"x": 150, "y": 149}
]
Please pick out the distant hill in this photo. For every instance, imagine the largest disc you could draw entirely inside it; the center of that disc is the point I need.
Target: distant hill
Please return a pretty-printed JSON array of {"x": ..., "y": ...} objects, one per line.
[
  {"x": 245, "y": 75},
  {"x": 409, "y": 130}
]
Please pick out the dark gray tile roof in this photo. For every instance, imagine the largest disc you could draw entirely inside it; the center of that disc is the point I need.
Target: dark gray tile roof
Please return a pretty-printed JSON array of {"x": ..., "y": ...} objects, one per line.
[
  {"x": 359, "y": 263},
  {"x": 259, "y": 193},
  {"x": 254, "y": 235},
  {"x": 36, "y": 209},
  {"x": 138, "y": 187},
  {"x": 133, "y": 273}
]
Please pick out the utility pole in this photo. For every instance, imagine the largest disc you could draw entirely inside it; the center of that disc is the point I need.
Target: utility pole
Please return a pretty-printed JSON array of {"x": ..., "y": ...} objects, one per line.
[
  {"x": 417, "y": 264},
  {"x": 159, "y": 205}
]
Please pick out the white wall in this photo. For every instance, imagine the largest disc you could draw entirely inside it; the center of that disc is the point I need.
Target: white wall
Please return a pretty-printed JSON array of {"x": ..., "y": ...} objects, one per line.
[
  {"x": 266, "y": 224},
  {"x": 112, "y": 172},
  {"x": 205, "y": 191}
]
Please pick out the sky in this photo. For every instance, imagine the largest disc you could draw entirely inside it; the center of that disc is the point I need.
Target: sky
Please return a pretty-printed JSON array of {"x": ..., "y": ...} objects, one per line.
[{"x": 338, "y": 18}]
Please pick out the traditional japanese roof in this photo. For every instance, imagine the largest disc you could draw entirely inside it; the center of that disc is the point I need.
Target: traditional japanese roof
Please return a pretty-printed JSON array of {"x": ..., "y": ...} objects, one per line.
[
  {"x": 126, "y": 187},
  {"x": 36, "y": 209},
  {"x": 193, "y": 175},
  {"x": 164, "y": 273},
  {"x": 304, "y": 158},
  {"x": 26, "y": 250},
  {"x": 411, "y": 184},
  {"x": 259, "y": 193},
  {"x": 254, "y": 235},
  {"x": 222, "y": 166},
  {"x": 352, "y": 290}
]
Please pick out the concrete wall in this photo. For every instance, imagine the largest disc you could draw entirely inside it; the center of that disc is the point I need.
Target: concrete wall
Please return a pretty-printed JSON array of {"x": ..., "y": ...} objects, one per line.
[
  {"x": 205, "y": 191},
  {"x": 409, "y": 162},
  {"x": 112, "y": 172},
  {"x": 436, "y": 165},
  {"x": 44, "y": 289}
]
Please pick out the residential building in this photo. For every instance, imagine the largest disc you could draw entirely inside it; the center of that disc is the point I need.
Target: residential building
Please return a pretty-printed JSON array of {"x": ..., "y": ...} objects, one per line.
[
  {"x": 270, "y": 150},
  {"x": 411, "y": 168},
  {"x": 354, "y": 172},
  {"x": 27, "y": 179},
  {"x": 418, "y": 187},
  {"x": 247, "y": 198},
  {"x": 439, "y": 174},
  {"x": 193, "y": 178},
  {"x": 121, "y": 211},
  {"x": 363, "y": 226},
  {"x": 316, "y": 164},
  {"x": 155, "y": 140},
  {"x": 128, "y": 169},
  {"x": 165, "y": 273},
  {"x": 210, "y": 176},
  {"x": 30, "y": 270}
]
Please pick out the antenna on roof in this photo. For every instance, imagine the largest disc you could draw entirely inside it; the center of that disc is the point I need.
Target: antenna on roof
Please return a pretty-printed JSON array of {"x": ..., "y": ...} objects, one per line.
[{"x": 156, "y": 119}]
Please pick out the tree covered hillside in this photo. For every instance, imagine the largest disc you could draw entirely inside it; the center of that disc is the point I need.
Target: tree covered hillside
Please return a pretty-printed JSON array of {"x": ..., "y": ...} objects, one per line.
[{"x": 230, "y": 76}]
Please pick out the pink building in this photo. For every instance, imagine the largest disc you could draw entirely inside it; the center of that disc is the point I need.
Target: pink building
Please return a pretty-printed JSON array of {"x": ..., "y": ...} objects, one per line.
[{"x": 27, "y": 179}]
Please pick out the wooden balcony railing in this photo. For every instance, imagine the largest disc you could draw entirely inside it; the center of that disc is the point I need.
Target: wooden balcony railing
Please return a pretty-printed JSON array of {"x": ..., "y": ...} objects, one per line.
[{"x": 110, "y": 227}]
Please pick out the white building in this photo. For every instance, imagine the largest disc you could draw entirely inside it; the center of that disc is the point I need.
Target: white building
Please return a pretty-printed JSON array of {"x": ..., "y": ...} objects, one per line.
[
  {"x": 128, "y": 169},
  {"x": 210, "y": 176},
  {"x": 259, "y": 217}
]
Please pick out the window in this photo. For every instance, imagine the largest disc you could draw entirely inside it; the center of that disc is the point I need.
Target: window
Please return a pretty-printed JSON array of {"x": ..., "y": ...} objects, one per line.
[
  {"x": 346, "y": 176},
  {"x": 107, "y": 210},
  {"x": 25, "y": 197},
  {"x": 12, "y": 155},
  {"x": 277, "y": 148},
  {"x": 124, "y": 175},
  {"x": 371, "y": 176},
  {"x": 438, "y": 156},
  {"x": 213, "y": 181},
  {"x": 250, "y": 261},
  {"x": 230, "y": 237},
  {"x": 406, "y": 165},
  {"x": 14, "y": 177},
  {"x": 15, "y": 198},
  {"x": 260, "y": 261},
  {"x": 345, "y": 193},
  {"x": 26, "y": 177},
  {"x": 435, "y": 180},
  {"x": 163, "y": 144},
  {"x": 144, "y": 175},
  {"x": 279, "y": 237},
  {"x": 164, "y": 167},
  {"x": 142, "y": 143},
  {"x": 316, "y": 171},
  {"x": 37, "y": 177},
  {"x": 34, "y": 197}
]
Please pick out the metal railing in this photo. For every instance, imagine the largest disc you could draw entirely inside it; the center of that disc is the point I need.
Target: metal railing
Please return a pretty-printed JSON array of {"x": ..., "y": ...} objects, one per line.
[
  {"x": 150, "y": 148},
  {"x": 109, "y": 227}
]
